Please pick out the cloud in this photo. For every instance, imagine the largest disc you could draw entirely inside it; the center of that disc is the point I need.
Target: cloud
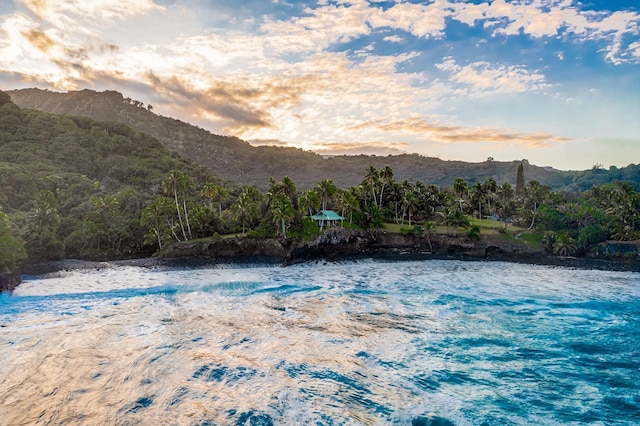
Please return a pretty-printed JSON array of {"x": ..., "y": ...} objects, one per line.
[
  {"x": 39, "y": 39},
  {"x": 460, "y": 134},
  {"x": 393, "y": 39},
  {"x": 484, "y": 77},
  {"x": 561, "y": 19},
  {"x": 61, "y": 12}
]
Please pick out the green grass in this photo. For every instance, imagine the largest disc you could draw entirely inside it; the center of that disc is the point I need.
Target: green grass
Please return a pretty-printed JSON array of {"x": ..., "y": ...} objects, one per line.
[
  {"x": 487, "y": 227},
  {"x": 532, "y": 239}
]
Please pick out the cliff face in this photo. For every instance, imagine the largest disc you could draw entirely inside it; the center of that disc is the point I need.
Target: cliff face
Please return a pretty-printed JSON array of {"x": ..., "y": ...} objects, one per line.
[
  {"x": 9, "y": 281},
  {"x": 230, "y": 248},
  {"x": 341, "y": 243}
]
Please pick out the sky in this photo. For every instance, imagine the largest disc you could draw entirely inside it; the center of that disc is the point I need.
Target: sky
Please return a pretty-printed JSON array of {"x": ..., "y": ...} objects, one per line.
[{"x": 556, "y": 82}]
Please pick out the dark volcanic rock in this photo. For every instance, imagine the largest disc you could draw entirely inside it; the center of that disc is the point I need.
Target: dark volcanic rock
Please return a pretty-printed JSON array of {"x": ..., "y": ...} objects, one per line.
[
  {"x": 230, "y": 248},
  {"x": 9, "y": 281}
]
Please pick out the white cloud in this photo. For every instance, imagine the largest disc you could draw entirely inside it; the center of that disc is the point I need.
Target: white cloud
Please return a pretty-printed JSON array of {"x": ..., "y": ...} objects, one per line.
[
  {"x": 65, "y": 12},
  {"x": 485, "y": 78},
  {"x": 393, "y": 39},
  {"x": 554, "y": 18}
]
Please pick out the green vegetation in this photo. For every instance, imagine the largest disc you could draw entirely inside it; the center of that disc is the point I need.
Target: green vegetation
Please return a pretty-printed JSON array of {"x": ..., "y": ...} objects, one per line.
[
  {"x": 235, "y": 160},
  {"x": 72, "y": 187},
  {"x": 75, "y": 187}
]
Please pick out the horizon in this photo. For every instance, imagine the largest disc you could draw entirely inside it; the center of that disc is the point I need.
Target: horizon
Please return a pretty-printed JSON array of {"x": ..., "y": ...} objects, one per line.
[{"x": 551, "y": 81}]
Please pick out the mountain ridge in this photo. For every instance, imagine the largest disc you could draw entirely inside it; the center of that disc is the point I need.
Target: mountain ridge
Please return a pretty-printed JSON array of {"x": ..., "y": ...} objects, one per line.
[{"x": 236, "y": 160}]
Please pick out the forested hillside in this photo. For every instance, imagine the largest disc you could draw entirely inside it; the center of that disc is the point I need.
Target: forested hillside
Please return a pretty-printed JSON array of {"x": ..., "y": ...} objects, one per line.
[
  {"x": 75, "y": 187},
  {"x": 236, "y": 160}
]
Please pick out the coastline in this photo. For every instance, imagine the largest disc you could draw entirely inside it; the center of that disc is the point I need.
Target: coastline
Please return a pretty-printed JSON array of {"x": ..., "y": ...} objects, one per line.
[{"x": 333, "y": 245}]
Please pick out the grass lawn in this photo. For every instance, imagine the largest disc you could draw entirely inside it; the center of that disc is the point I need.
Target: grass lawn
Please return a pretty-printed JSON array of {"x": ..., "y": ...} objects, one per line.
[{"x": 487, "y": 227}]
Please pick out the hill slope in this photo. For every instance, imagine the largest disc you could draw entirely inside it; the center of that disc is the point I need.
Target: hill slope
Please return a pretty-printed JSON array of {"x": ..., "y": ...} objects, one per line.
[
  {"x": 74, "y": 186},
  {"x": 236, "y": 160}
]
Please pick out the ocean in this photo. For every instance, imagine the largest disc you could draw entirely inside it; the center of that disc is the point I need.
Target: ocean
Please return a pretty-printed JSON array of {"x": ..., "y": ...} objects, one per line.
[{"x": 367, "y": 342}]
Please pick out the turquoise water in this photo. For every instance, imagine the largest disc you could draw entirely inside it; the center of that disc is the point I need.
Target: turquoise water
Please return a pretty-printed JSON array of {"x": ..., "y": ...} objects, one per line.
[{"x": 352, "y": 343}]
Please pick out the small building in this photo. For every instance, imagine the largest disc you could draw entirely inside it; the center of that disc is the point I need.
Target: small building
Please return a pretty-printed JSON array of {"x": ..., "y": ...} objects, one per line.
[{"x": 327, "y": 218}]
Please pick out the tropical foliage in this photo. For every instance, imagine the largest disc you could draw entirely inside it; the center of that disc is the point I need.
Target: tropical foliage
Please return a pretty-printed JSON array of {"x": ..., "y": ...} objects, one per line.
[{"x": 75, "y": 187}]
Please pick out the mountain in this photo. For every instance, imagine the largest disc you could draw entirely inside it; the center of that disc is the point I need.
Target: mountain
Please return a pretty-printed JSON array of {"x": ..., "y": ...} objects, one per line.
[
  {"x": 77, "y": 187},
  {"x": 234, "y": 159}
]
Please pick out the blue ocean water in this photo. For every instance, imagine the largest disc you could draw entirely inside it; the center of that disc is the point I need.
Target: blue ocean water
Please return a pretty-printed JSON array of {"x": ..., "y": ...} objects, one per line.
[{"x": 351, "y": 343}]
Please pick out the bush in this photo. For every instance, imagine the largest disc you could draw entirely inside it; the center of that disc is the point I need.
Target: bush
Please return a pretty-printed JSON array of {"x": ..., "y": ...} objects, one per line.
[{"x": 474, "y": 232}]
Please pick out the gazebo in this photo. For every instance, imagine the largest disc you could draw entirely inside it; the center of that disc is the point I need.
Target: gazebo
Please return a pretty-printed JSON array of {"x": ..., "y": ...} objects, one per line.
[{"x": 327, "y": 216}]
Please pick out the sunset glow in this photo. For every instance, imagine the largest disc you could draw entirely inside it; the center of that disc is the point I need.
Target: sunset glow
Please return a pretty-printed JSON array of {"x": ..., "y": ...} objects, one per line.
[{"x": 554, "y": 81}]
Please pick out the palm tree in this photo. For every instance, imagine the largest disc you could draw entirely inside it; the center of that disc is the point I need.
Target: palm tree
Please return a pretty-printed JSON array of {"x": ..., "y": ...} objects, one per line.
[
  {"x": 244, "y": 209},
  {"x": 371, "y": 177},
  {"x": 346, "y": 202},
  {"x": 507, "y": 211},
  {"x": 491, "y": 187},
  {"x": 506, "y": 192},
  {"x": 309, "y": 201},
  {"x": 289, "y": 188},
  {"x": 282, "y": 210},
  {"x": 178, "y": 183},
  {"x": 564, "y": 245},
  {"x": 459, "y": 187},
  {"x": 479, "y": 194},
  {"x": 455, "y": 218},
  {"x": 213, "y": 192},
  {"x": 386, "y": 178},
  {"x": 153, "y": 218},
  {"x": 428, "y": 228},
  {"x": 410, "y": 201},
  {"x": 535, "y": 193},
  {"x": 326, "y": 190}
]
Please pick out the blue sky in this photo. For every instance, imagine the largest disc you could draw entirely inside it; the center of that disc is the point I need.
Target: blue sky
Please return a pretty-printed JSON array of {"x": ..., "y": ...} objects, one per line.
[{"x": 554, "y": 81}]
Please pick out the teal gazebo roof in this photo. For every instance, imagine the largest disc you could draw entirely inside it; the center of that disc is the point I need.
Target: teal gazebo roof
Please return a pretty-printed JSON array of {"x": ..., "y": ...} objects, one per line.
[{"x": 327, "y": 215}]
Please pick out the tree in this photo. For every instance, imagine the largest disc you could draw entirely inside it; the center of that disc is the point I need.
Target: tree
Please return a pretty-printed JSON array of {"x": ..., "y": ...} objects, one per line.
[
  {"x": 520, "y": 179},
  {"x": 177, "y": 183},
  {"x": 326, "y": 190},
  {"x": 289, "y": 188},
  {"x": 460, "y": 189},
  {"x": 491, "y": 187},
  {"x": 244, "y": 209},
  {"x": 347, "y": 203},
  {"x": 213, "y": 192},
  {"x": 410, "y": 202},
  {"x": 386, "y": 178},
  {"x": 478, "y": 195},
  {"x": 505, "y": 192},
  {"x": 507, "y": 211},
  {"x": 428, "y": 229},
  {"x": 309, "y": 201},
  {"x": 534, "y": 194},
  {"x": 5, "y": 98},
  {"x": 40, "y": 235},
  {"x": 455, "y": 218},
  {"x": 371, "y": 177},
  {"x": 564, "y": 245},
  {"x": 12, "y": 252},
  {"x": 155, "y": 217},
  {"x": 283, "y": 212}
]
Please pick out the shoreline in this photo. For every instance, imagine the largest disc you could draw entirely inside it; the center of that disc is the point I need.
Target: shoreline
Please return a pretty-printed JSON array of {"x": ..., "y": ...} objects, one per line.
[{"x": 332, "y": 246}]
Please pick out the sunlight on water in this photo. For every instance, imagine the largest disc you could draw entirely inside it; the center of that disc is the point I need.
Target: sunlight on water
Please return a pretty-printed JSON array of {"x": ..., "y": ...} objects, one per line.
[{"x": 369, "y": 342}]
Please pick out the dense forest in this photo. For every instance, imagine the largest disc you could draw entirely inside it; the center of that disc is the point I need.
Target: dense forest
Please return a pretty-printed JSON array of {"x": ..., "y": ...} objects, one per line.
[
  {"x": 236, "y": 160},
  {"x": 73, "y": 187}
]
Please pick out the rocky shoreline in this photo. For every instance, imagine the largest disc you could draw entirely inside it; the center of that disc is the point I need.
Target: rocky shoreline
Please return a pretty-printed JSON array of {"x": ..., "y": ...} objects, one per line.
[{"x": 338, "y": 244}]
